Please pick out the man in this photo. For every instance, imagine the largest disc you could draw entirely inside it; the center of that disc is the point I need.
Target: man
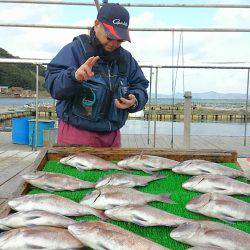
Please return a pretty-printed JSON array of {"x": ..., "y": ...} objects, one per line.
[{"x": 97, "y": 82}]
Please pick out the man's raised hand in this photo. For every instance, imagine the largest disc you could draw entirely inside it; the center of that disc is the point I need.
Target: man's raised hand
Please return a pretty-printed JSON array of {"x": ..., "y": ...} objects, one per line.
[{"x": 84, "y": 72}]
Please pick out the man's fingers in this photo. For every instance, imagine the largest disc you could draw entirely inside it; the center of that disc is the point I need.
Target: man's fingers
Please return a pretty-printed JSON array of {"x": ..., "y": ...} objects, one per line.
[
  {"x": 88, "y": 62},
  {"x": 131, "y": 96},
  {"x": 91, "y": 61},
  {"x": 88, "y": 71},
  {"x": 94, "y": 60},
  {"x": 126, "y": 101},
  {"x": 120, "y": 105}
]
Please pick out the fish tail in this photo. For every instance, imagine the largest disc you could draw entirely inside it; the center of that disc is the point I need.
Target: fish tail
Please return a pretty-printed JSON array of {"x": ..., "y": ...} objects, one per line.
[
  {"x": 164, "y": 198},
  {"x": 2, "y": 226},
  {"x": 123, "y": 168},
  {"x": 99, "y": 213},
  {"x": 246, "y": 174},
  {"x": 158, "y": 176}
]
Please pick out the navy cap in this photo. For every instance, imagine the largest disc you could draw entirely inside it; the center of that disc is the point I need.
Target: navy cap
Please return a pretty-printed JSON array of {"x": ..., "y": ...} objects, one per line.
[{"x": 115, "y": 20}]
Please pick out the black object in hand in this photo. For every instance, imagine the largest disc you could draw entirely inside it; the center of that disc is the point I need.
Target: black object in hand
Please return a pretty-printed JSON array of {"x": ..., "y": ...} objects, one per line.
[{"x": 123, "y": 91}]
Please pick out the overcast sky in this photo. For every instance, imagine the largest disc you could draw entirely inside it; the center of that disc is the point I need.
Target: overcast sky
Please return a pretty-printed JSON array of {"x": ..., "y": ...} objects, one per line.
[{"x": 146, "y": 47}]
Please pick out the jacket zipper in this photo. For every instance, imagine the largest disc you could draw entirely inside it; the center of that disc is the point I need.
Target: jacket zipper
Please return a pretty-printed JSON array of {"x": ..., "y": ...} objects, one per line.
[
  {"x": 110, "y": 85},
  {"x": 110, "y": 88}
]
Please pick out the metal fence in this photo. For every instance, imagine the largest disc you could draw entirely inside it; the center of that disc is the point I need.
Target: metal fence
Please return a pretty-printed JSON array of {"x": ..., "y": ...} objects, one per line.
[{"x": 38, "y": 62}]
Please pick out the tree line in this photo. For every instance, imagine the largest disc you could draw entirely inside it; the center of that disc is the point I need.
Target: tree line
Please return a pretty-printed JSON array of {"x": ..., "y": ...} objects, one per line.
[{"x": 19, "y": 75}]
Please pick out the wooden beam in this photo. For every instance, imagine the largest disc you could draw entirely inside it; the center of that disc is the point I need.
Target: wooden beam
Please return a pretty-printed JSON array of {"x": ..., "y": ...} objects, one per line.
[{"x": 121, "y": 153}]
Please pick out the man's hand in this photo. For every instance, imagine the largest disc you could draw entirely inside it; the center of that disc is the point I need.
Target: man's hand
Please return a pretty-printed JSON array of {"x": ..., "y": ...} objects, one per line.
[
  {"x": 125, "y": 103},
  {"x": 84, "y": 72}
]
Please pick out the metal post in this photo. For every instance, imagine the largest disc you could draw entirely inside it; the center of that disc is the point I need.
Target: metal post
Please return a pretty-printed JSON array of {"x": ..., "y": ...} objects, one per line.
[
  {"x": 36, "y": 126},
  {"x": 97, "y": 4},
  {"x": 246, "y": 115},
  {"x": 149, "y": 102},
  {"x": 58, "y": 2},
  {"x": 172, "y": 113},
  {"x": 156, "y": 83},
  {"x": 187, "y": 118}
]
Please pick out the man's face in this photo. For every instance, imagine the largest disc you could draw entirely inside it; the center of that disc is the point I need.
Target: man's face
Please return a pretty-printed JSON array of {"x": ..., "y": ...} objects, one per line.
[{"x": 108, "y": 44}]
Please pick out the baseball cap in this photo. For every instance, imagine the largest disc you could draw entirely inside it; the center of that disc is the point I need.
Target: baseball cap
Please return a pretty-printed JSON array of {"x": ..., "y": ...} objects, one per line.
[{"x": 115, "y": 20}]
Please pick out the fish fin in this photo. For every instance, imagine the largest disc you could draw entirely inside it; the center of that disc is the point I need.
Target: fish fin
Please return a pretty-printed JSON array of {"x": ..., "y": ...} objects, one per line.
[
  {"x": 164, "y": 198},
  {"x": 139, "y": 221},
  {"x": 227, "y": 218},
  {"x": 148, "y": 171},
  {"x": 31, "y": 225},
  {"x": 31, "y": 246},
  {"x": 158, "y": 176},
  {"x": 80, "y": 166},
  {"x": 204, "y": 172},
  {"x": 102, "y": 247},
  {"x": 33, "y": 217},
  {"x": 124, "y": 183},
  {"x": 49, "y": 188}
]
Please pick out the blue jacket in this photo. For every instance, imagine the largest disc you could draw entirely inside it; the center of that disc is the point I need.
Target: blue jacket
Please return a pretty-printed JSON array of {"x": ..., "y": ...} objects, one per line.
[{"x": 102, "y": 116}]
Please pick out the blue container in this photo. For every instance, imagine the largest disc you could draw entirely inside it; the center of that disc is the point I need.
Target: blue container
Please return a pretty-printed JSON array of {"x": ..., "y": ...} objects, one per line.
[
  {"x": 42, "y": 124},
  {"x": 20, "y": 130}
]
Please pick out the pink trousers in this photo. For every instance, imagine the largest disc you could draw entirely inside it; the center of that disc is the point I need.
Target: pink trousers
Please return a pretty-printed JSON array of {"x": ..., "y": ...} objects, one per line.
[{"x": 69, "y": 135}]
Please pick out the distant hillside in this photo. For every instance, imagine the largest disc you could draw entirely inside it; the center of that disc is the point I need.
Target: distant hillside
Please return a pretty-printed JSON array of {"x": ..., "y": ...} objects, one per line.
[
  {"x": 207, "y": 95},
  {"x": 20, "y": 75}
]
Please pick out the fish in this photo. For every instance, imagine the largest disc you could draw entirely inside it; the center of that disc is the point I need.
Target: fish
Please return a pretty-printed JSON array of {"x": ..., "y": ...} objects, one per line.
[
  {"x": 144, "y": 215},
  {"x": 86, "y": 161},
  {"x": 201, "y": 167},
  {"x": 100, "y": 235},
  {"x": 53, "y": 204},
  {"x": 217, "y": 184},
  {"x": 56, "y": 182},
  {"x": 39, "y": 237},
  {"x": 147, "y": 163},
  {"x": 206, "y": 248},
  {"x": 211, "y": 234},
  {"x": 127, "y": 180},
  {"x": 112, "y": 196},
  {"x": 34, "y": 218},
  {"x": 220, "y": 206}
]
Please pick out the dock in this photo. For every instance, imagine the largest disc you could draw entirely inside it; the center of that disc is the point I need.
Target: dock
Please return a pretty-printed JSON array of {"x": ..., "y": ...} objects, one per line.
[
  {"x": 167, "y": 113},
  {"x": 8, "y": 115},
  {"x": 14, "y": 163}
]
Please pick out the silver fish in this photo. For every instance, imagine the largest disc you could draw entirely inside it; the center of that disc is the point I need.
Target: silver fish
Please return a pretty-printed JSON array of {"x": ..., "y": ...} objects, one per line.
[
  {"x": 127, "y": 180},
  {"x": 216, "y": 184},
  {"x": 211, "y": 234},
  {"x": 38, "y": 237},
  {"x": 100, "y": 235},
  {"x": 220, "y": 206},
  {"x": 86, "y": 161},
  {"x": 109, "y": 197},
  {"x": 144, "y": 215},
  {"x": 147, "y": 163},
  {"x": 34, "y": 218},
  {"x": 56, "y": 182},
  {"x": 201, "y": 167},
  {"x": 53, "y": 204},
  {"x": 206, "y": 248}
]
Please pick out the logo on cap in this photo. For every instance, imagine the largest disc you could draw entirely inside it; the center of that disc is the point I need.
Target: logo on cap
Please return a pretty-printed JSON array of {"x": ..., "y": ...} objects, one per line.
[{"x": 119, "y": 22}]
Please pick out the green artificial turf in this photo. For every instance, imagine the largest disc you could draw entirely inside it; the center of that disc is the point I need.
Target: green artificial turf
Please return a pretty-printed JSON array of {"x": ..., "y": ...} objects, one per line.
[{"x": 171, "y": 184}]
